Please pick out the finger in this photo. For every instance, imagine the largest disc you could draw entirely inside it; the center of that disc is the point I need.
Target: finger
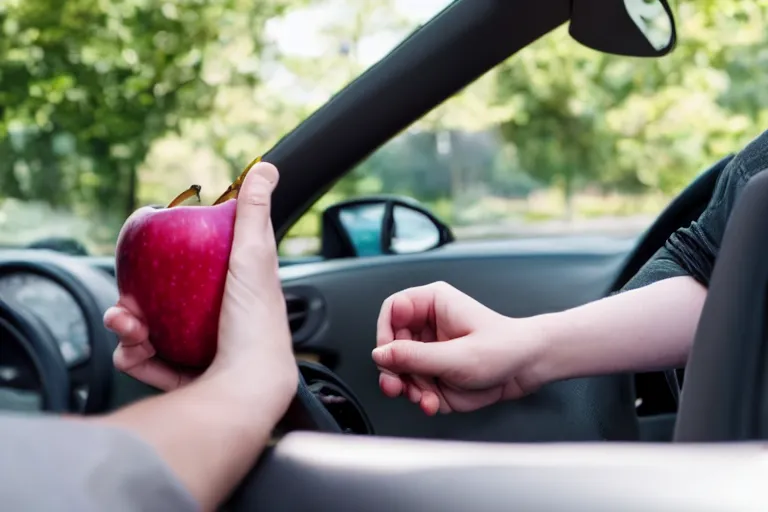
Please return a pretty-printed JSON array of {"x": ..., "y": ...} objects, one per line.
[
  {"x": 411, "y": 309},
  {"x": 430, "y": 403},
  {"x": 427, "y": 359},
  {"x": 402, "y": 314},
  {"x": 154, "y": 373},
  {"x": 254, "y": 253},
  {"x": 384, "y": 332},
  {"x": 126, "y": 357},
  {"x": 429, "y": 388},
  {"x": 391, "y": 385},
  {"x": 428, "y": 334},
  {"x": 148, "y": 370},
  {"x": 406, "y": 334},
  {"x": 127, "y": 327},
  {"x": 413, "y": 393},
  {"x": 129, "y": 304}
]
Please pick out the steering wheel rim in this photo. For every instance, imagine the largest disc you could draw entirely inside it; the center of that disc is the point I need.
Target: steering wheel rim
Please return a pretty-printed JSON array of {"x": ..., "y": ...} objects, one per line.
[
  {"x": 309, "y": 412},
  {"x": 40, "y": 346},
  {"x": 306, "y": 412},
  {"x": 84, "y": 285}
]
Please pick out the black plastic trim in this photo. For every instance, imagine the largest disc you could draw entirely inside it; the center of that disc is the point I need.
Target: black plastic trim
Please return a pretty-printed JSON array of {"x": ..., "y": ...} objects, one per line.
[
  {"x": 724, "y": 394},
  {"x": 315, "y": 314},
  {"x": 590, "y": 25}
]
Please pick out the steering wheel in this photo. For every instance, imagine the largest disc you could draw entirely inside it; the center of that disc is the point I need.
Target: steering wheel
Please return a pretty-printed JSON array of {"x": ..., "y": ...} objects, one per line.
[
  {"x": 29, "y": 348},
  {"x": 324, "y": 403},
  {"x": 320, "y": 392}
]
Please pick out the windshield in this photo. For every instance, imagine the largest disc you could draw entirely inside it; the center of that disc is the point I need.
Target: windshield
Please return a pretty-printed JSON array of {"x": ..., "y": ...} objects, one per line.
[{"x": 113, "y": 105}]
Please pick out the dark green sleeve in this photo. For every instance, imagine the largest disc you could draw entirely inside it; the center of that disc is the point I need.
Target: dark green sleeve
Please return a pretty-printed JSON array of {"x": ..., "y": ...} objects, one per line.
[{"x": 692, "y": 250}]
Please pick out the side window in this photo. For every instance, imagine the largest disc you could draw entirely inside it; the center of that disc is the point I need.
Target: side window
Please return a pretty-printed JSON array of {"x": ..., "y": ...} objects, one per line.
[
  {"x": 467, "y": 180},
  {"x": 560, "y": 140}
]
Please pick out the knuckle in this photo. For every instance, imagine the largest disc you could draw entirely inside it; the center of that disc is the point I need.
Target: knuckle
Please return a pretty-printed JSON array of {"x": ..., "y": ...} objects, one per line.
[
  {"x": 387, "y": 304},
  {"x": 254, "y": 251},
  {"x": 381, "y": 339},
  {"x": 118, "y": 359},
  {"x": 259, "y": 194},
  {"x": 399, "y": 354},
  {"x": 441, "y": 286},
  {"x": 386, "y": 307}
]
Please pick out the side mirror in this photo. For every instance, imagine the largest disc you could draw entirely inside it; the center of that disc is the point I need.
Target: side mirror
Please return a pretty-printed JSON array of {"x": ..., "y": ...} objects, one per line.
[
  {"x": 635, "y": 28},
  {"x": 377, "y": 226}
]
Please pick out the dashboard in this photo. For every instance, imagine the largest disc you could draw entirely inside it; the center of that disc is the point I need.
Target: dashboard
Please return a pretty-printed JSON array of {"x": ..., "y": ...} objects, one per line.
[{"x": 53, "y": 306}]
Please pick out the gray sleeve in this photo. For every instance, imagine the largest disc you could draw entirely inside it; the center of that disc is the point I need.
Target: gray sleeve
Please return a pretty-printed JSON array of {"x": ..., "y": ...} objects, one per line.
[{"x": 53, "y": 464}]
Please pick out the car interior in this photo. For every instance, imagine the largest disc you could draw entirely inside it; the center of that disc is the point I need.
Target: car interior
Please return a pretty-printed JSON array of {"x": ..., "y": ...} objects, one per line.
[{"x": 652, "y": 441}]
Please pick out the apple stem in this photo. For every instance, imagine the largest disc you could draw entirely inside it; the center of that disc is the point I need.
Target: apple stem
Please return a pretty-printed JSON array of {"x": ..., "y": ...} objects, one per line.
[
  {"x": 234, "y": 188},
  {"x": 192, "y": 191}
]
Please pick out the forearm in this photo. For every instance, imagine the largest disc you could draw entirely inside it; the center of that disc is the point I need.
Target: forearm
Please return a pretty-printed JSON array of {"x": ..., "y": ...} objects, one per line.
[
  {"x": 209, "y": 433},
  {"x": 650, "y": 328}
]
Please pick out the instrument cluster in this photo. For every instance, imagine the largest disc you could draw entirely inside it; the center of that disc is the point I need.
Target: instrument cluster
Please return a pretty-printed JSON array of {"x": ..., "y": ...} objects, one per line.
[{"x": 55, "y": 306}]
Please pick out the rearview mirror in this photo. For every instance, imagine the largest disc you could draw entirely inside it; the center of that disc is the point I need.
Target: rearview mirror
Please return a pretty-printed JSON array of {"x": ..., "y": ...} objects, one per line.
[
  {"x": 635, "y": 28},
  {"x": 377, "y": 226}
]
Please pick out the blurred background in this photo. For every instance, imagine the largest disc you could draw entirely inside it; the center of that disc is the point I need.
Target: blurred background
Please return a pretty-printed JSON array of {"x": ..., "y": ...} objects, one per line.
[{"x": 107, "y": 105}]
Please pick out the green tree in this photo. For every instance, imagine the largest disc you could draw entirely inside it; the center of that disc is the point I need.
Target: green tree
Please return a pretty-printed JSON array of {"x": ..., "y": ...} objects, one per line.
[
  {"x": 87, "y": 86},
  {"x": 581, "y": 117},
  {"x": 558, "y": 93}
]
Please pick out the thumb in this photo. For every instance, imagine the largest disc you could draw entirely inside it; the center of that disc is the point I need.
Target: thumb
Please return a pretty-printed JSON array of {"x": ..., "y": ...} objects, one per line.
[
  {"x": 433, "y": 359},
  {"x": 254, "y": 251},
  {"x": 255, "y": 198}
]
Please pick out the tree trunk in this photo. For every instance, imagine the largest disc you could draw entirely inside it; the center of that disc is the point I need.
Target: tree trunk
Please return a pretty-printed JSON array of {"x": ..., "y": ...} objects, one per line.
[
  {"x": 133, "y": 185},
  {"x": 455, "y": 170},
  {"x": 9, "y": 182},
  {"x": 568, "y": 194}
]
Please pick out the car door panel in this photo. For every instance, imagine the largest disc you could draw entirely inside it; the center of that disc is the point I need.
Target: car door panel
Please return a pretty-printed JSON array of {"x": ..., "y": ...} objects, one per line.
[{"x": 517, "y": 278}]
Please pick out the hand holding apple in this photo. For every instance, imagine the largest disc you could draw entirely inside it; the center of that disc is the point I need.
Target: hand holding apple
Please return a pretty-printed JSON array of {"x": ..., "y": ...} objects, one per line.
[{"x": 199, "y": 287}]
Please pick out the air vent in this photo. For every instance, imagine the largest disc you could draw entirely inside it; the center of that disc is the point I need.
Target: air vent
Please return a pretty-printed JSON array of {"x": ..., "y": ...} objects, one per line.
[{"x": 298, "y": 310}]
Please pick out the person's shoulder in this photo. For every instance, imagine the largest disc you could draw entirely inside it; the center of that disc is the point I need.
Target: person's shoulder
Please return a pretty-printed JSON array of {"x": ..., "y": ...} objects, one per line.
[{"x": 751, "y": 160}]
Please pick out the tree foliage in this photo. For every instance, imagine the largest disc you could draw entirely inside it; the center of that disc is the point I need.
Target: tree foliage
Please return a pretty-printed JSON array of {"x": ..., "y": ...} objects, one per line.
[
  {"x": 640, "y": 124},
  {"x": 87, "y": 86},
  {"x": 107, "y": 104}
]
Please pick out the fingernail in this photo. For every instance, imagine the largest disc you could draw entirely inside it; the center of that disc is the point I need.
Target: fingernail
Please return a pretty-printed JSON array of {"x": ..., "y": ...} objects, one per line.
[
  {"x": 267, "y": 171},
  {"x": 378, "y": 355}
]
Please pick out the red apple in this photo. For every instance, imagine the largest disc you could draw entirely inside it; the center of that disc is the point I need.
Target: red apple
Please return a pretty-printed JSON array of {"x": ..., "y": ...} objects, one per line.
[{"x": 172, "y": 262}]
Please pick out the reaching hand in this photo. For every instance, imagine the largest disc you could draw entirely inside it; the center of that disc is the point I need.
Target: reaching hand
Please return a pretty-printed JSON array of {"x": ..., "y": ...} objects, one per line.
[
  {"x": 252, "y": 296},
  {"x": 447, "y": 352}
]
